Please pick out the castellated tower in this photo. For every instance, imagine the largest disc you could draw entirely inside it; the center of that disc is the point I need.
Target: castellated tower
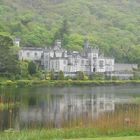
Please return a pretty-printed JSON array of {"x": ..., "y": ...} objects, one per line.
[{"x": 92, "y": 53}]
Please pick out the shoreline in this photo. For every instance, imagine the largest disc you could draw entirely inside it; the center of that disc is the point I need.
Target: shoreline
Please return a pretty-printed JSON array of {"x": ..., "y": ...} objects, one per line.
[{"x": 66, "y": 83}]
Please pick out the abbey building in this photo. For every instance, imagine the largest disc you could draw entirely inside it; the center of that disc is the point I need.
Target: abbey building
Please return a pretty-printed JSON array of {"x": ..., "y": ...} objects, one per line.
[{"x": 58, "y": 59}]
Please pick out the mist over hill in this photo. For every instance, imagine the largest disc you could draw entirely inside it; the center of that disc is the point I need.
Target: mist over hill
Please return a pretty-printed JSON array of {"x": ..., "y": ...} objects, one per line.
[{"x": 114, "y": 25}]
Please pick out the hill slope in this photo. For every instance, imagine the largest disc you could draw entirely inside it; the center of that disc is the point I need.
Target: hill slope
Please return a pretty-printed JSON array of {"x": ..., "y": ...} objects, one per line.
[{"x": 113, "y": 25}]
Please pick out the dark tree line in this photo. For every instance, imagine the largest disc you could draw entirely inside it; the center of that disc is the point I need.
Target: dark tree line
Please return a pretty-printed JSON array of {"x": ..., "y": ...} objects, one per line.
[{"x": 8, "y": 59}]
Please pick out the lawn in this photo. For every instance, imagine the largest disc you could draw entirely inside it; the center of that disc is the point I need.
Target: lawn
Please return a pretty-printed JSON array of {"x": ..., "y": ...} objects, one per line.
[
  {"x": 111, "y": 138},
  {"x": 67, "y": 134}
]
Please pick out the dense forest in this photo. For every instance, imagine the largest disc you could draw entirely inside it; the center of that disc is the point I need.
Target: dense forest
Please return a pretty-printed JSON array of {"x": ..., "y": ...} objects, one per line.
[{"x": 114, "y": 25}]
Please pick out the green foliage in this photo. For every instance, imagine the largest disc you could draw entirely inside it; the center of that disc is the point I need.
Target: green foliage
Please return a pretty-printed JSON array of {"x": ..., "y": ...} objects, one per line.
[
  {"x": 62, "y": 33},
  {"x": 8, "y": 57},
  {"x": 32, "y": 68},
  {"x": 24, "y": 68},
  {"x": 136, "y": 75},
  {"x": 23, "y": 83},
  {"x": 74, "y": 42},
  {"x": 41, "y": 76},
  {"x": 97, "y": 76},
  {"x": 61, "y": 75},
  {"x": 80, "y": 75},
  {"x": 71, "y": 134},
  {"x": 114, "y": 78},
  {"x": 52, "y": 75},
  {"x": 64, "y": 83},
  {"x": 113, "y": 25}
]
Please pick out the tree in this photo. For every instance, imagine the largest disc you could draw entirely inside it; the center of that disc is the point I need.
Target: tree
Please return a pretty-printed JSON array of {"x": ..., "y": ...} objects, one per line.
[
  {"x": 52, "y": 76},
  {"x": 75, "y": 42},
  {"x": 61, "y": 75},
  {"x": 80, "y": 75},
  {"x": 62, "y": 32},
  {"x": 32, "y": 68},
  {"x": 8, "y": 57},
  {"x": 24, "y": 68}
]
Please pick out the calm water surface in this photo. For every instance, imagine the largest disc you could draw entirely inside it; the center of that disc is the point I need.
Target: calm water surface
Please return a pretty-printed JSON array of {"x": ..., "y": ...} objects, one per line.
[{"x": 43, "y": 107}]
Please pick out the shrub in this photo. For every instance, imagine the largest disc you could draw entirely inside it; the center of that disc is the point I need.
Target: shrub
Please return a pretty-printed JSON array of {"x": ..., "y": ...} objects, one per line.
[
  {"x": 9, "y": 82},
  {"x": 97, "y": 76},
  {"x": 22, "y": 83},
  {"x": 61, "y": 75},
  {"x": 32, "y": 68},
  {"x": 80, "y": 75},
  {"x": 17, "y": 77},
  {"x": 52, "y": 76}
]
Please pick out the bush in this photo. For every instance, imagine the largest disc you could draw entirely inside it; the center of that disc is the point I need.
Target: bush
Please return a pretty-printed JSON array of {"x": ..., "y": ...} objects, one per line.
[
  {"x": 9, "y": 82},
  {"x": 32, "y": 68},
  {"x": 97, "y": 76},
  {"x": 23, "y": 83},
  {"x": 17, "y": 77},
  {"x": 52, "y": 76},
  {"x": 61, "y": 75},
  {"x": 80, "y": 75},
  {"x": 114, "y": 78}
]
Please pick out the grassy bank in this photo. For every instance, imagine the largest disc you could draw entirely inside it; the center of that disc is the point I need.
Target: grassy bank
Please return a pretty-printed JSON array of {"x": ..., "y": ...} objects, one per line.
[
  {"x": 111, "y": 138},
  {"x": 61, "y": 134},
  {"x": 62, "y": 83}
]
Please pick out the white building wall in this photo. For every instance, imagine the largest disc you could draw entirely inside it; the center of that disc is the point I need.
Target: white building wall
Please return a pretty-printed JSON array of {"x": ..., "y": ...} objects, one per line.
[
  {"x": 58, "y": 64},
  {"x": 101, "y": 65},
  {"x": 85, "y": 65},
  {"x": 93, "y": 56},
  {"x": 109, "y": 64},
  {"x": 58, "y": 59},
  {"x": 30, "y": 55},
  {"x": 46, "y": 61},
  {"x": 63, "y": 65},
  {"x": 58, "y": 53}
]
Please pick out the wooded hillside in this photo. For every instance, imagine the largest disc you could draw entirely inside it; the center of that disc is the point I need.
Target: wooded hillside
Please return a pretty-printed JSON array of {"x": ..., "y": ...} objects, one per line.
[{"x": 112, "y": 24}]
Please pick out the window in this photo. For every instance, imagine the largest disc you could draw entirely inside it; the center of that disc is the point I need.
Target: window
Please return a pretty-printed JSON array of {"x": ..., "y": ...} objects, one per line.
[
  {"x": 35, "y": 54},
  {"x": 28, "y": 54},
  {"x": 76, "y": 61},
  {"x": 64, "y": 61},
  {"x": 46, "y": 62},
  {"x": 82, "y": 62},
  {"x": 65, "y": 69},
  {"x": 101, "y": 64},
  {"x": 56, "y": 64}
]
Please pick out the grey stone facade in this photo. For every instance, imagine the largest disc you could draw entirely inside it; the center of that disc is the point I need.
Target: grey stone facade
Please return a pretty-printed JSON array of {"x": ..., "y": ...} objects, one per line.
[
  {"x": 58, "y": 59},
  {"x": 90, "y": 60}
]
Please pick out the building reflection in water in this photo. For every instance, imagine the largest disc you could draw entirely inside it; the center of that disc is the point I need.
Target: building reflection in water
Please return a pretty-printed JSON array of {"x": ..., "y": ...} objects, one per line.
[{"x": 57, "y": 110}]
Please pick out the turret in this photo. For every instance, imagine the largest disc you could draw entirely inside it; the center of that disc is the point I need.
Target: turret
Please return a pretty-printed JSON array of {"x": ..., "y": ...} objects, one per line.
[
  {"x": 86, "y": 44},
  {"x": 16, "y": 42},
  {"x": 58, "y": 43}
]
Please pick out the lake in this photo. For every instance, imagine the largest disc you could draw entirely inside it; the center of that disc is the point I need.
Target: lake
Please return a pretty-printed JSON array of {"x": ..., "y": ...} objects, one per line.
[{"x": 55, "y": 107}]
